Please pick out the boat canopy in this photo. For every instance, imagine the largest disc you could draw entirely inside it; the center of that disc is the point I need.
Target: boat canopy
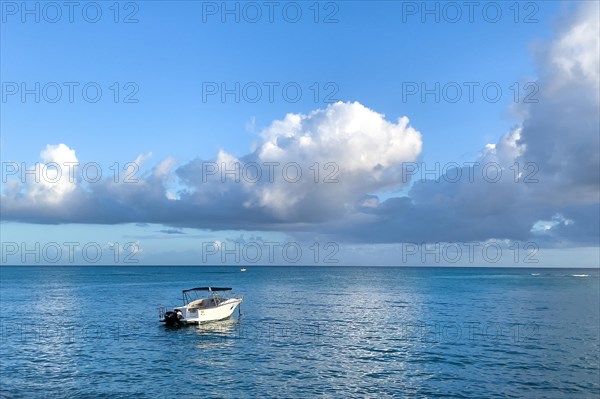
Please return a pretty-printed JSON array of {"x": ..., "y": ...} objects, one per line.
[{"x": 211, "y": 289}]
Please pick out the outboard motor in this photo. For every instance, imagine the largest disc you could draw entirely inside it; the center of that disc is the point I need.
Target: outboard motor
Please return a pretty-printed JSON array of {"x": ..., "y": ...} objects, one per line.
[{"x": 173, "y": 318}]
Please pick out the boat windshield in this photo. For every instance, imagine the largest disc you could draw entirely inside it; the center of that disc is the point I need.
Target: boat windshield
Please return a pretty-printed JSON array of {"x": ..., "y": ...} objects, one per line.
[{"x": 196, "y": 293}]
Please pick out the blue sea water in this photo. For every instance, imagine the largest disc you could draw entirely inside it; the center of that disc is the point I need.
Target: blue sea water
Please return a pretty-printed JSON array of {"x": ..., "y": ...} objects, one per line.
[{"x": 338, "y": 332}]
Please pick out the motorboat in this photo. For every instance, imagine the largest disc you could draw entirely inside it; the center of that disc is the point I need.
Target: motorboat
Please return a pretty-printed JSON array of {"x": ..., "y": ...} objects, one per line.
[
  {"x": 243, "y": 269},
  {"x": 199, "y": 308}
]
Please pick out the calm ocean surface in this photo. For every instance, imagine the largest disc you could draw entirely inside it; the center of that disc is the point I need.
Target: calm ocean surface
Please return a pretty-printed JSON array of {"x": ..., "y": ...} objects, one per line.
[{"x": 93, "y": 332}]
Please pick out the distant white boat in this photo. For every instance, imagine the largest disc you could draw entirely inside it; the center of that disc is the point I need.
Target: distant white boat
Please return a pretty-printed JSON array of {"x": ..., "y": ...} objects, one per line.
[
  {"x": 196, "y": 309},
  {"x": 243, "y": 269}
]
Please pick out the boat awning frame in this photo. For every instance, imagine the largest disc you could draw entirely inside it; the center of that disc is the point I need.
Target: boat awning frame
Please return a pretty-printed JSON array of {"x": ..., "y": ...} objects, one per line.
[{"x": 210, "y": 289}]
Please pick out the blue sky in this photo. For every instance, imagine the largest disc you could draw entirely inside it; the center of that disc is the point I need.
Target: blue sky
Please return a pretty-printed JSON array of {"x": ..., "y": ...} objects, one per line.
[{"x": 369, "y": 54}]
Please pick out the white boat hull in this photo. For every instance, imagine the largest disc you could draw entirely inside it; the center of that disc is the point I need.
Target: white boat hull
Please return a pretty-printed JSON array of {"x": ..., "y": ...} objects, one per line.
[{"x": 205, "y": 312}]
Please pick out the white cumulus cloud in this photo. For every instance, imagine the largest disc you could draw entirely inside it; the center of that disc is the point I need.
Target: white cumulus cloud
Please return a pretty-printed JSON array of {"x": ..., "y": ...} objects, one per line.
[{"x": 55, "y": 175}]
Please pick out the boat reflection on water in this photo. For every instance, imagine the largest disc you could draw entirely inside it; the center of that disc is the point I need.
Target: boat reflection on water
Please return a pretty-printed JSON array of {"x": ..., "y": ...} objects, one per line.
[
  {"x": 226, "y": 328},
  {"x": 216, "y": 335}
]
